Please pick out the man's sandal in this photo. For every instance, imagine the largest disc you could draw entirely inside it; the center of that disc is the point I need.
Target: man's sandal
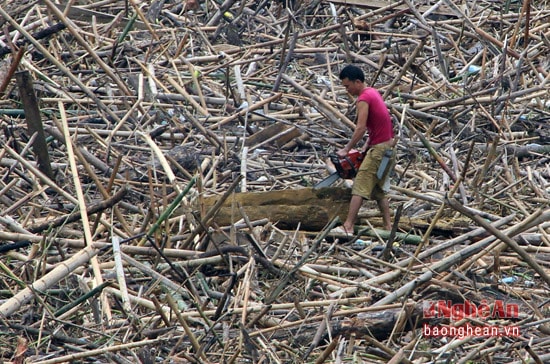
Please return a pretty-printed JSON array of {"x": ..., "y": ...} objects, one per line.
[{"x": 340, "y": 230}]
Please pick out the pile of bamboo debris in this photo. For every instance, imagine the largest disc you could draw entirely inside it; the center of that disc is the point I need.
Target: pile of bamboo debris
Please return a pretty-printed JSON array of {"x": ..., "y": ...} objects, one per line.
[{"x": 120, "y": 119}]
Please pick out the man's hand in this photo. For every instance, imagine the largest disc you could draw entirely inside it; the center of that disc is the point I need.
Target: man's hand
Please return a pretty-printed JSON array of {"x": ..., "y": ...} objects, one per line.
[{"x": 342, "y": 152}]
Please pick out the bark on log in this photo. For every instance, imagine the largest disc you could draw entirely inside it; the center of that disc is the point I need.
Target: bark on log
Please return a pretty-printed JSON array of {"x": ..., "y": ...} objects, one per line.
[{"x": 309, "y": 208}]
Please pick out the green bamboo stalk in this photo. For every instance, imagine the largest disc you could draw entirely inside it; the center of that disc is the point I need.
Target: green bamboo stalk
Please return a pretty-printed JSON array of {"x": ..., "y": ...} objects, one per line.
[
  {"x": 4, "y": 268},
  {"x": 125, "y": 32},
  {"x": 82, "y": 298},
  {"x": 13, "y": 112},
  {"x": 405, "y": 238},
  {"x": 166, "y": 213}
]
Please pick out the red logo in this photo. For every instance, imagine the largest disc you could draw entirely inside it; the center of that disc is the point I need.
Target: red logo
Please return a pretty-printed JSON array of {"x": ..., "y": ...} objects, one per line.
[{"x": 457, "y": 311}]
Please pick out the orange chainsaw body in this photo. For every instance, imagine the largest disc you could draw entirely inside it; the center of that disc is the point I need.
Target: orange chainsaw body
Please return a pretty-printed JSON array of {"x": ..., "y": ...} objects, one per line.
[{"x": 347, "y": 166}]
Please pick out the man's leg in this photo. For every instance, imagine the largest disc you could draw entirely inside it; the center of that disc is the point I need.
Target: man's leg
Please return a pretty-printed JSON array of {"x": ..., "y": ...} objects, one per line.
[
  {"x": 384, "y": 206},
  {"x": 354, "y": 206}
]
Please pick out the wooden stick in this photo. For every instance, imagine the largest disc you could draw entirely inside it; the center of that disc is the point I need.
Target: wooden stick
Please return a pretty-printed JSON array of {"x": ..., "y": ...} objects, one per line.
[
  {"x": 98, "y": 278},
  {"x": 155, "y": 275},
  {"x": 34, "y": 121},
  {"x": 13, "y": 67},
  {"x": 432, "y": 151},
  {"x": 328, "y": 350},
  {"x": 121, "y": 279},
  {"x": 289, "y": 54},
  {"x": 405, "y": 68}
]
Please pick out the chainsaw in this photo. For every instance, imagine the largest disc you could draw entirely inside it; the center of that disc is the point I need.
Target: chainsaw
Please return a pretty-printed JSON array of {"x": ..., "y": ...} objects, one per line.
[{"x": 346, "y": 167}]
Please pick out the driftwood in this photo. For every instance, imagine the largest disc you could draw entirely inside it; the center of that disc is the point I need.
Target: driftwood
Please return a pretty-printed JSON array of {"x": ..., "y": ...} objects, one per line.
[{"x": 156, "y": 199}]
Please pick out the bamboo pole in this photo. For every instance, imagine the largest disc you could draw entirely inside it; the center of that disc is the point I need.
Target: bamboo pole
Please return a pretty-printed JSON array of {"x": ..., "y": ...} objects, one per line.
[
  {"x": 188, "y": 97},
  {"x": 61, "y": 271},
  {"x": 432, "y": 151},
  {"x": 405, "y": 68}
]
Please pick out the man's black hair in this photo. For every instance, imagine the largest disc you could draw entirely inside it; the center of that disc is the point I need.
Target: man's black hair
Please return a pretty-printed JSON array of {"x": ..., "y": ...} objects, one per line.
[{"x": 352, "y": 73}]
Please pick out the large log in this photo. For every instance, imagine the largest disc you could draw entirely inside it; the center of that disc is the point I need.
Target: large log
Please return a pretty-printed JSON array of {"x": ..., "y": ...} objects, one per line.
[
  {"x": 309, "y": 208},
  {"x": 313, "y": 209}
]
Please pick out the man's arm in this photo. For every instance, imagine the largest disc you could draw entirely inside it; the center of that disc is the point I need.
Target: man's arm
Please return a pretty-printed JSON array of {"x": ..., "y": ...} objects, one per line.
[{"x": 360, "y": 128}]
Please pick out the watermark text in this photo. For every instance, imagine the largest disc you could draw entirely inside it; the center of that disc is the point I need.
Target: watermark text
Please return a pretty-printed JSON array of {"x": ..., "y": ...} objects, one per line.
[{"x": 468, "y": 330}]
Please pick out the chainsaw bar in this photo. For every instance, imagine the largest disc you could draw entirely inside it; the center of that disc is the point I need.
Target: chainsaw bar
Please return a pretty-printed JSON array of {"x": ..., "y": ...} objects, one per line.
[{"x": 327, "y": 182}]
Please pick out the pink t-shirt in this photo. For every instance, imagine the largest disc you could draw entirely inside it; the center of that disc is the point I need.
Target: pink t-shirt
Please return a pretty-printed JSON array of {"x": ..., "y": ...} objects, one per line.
[{"x": 379, "y": 125}]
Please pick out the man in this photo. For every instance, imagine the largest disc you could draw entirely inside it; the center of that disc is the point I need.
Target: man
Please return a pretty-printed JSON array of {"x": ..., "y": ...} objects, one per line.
[{"x": 372, "y": 117}]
